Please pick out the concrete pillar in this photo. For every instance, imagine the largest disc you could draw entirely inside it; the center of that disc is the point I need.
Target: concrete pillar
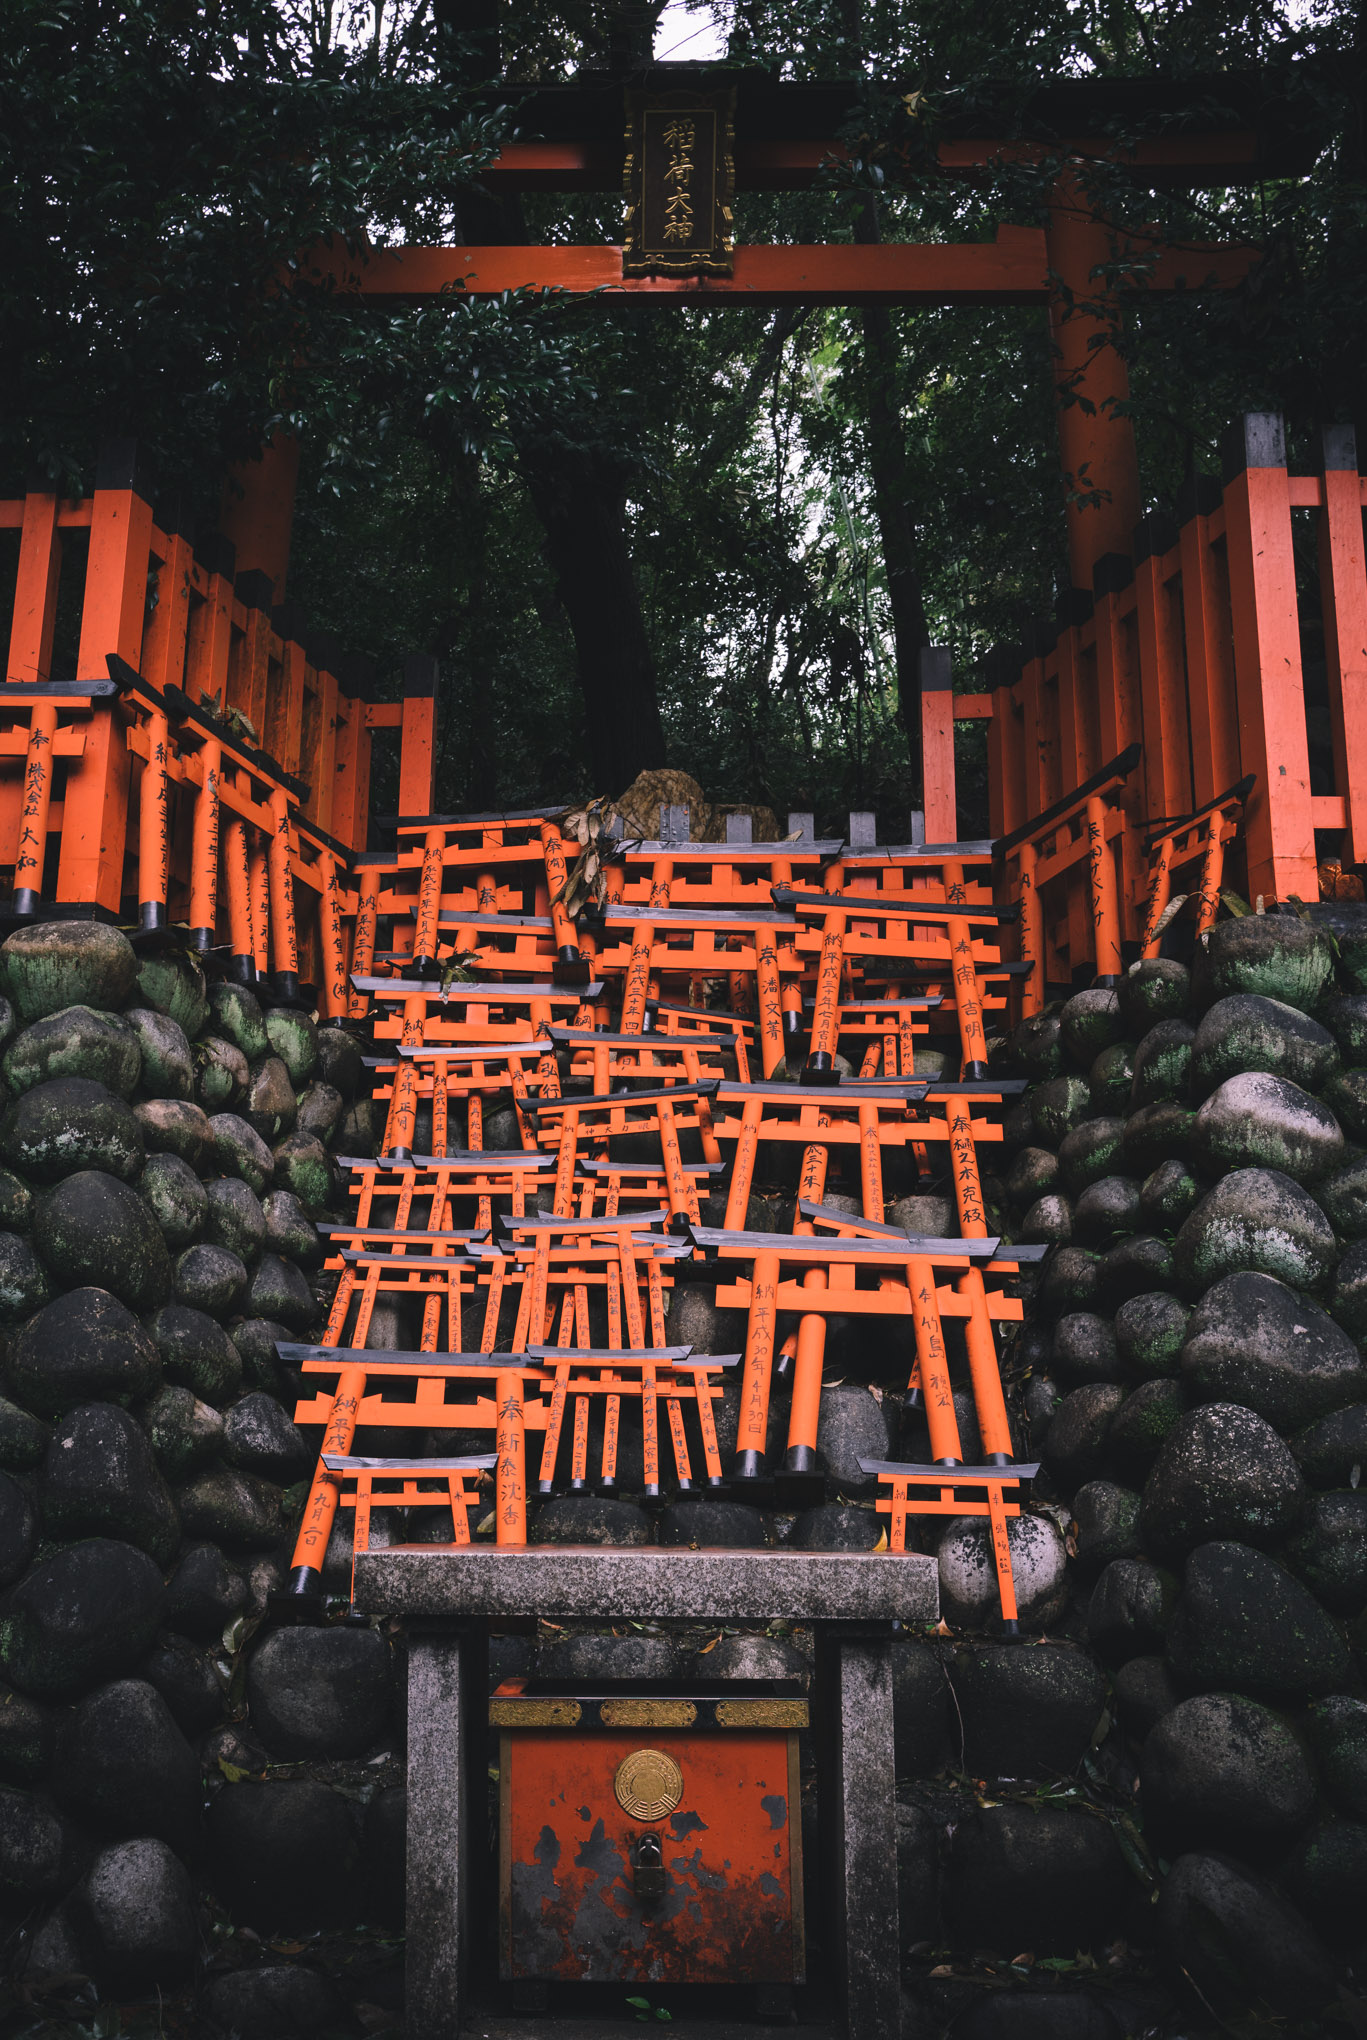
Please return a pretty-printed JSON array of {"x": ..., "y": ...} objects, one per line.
[
  {"x": 445, "y": 1826},
  {"x": 859, "y": 1831}
]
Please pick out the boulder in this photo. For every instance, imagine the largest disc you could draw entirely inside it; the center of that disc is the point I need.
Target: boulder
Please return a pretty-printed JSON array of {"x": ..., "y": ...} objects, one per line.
[
  {"x": 24, "y": 1285},
  {"x": 37, "y": 1850},
  {"x": 1162, "y": 1064},
  {"x": 176, "y": 1198},
  {"x": 168, "y": 1069},
  {"x": 1222, "y": 1473},
  {"x": 1106, "y": 1211},
  {"x": 1346, "y": 1097},
  {"x": 27, "y": 1734},
  {"x": 18, "y": 1530},
  {"x": 256, "y": 1340},
  {"x": 1048, "y": 1222},
  {"x": 1253, "y": 1341},
  {"x": 237, "y": 1016},
  {"x": 1106, "y": 1520},
  {"x": 1158, "y": 988},
  {"x": 174, "y": 1126},
  {"x": 278, "y": 1291},
  {"x": 284, "y": 1854},
  {"x": 1243, "y": 1623},
  {"x": 320, "y": 1693},
  {"x": 96, "y": 1232},
  {"x": 1089, "y": 1022},
  {"x": 57, "y": 964},
  {"x": 1167, "y": 1195},
  {"x": 100, "y": 1479},
  {"x": 836, "y": 1527},
  {"x": 16, "y": 1203},
  {"x": 1037, "y": 1046},
  {"x": 1084, "y": 1349},
  {"x": 204, "y": 1594},
  {"x": 1111, "y": 1078},
  {"x": 699, "y": 1522},
  {"x": 223, "y": 1074},
  {"x": 302, "y": 1167},
  {"x": 1277, "y": 955},
  {"x": 1140, "y": 1429},
  {"x": 68, "y": 1124},
  {"x": 240, "y": 1151},
  {"x": 87, "y": 1612},
  {"x": 1342, "y": 1197},
  {"x": 1058, "y": 1106},
  {"x": 1037, "y": 1878},
  {"x": 1249, "y": 1032},
  {"x": 1075, "y": 1450},
  {"x": 270, "y": 1107},
  {"x": 260, "y": 1437},
  {"x": 1333, "y": 1452},
  {"x": 209, "y": 1279},
  {"x": 339, "y": 1060},
  {"x": 1260, "y": 1122},
  {"x": 592, "y": 1656},
  {"x": 124, "y": 1768},
  {"x": 1326, "y": 1875},
  {"x": 1346, "y": 1019},
  {"x": 968, "y": 1574},
  {"x": 1256, "y": 1220},
  {"x": 290, "y": 1232},
  {"x": 75, "y": 1043},
  {"x": 237, "y": 1510},
  {"x": 852, "y": 1426},
  {"x": 196, "y": 1352},
  {"x": 589, "y": 1519},
  {"x": 172, "y": 982},
  {"x": 1134, "y": 1267},
  {"x": 1130, "y": 1609},
  {"x": 1150, "y": 1331},
  {"x": 1329, "y": 1551},
  {"x": 278, "y": 2001},
  {"x": 753, "y": 1657},
  {"x": 1090, "y": 1152},
  {"x": 1234, "y": 1937},
  {"x": 235, "y": 1218},
  {"x": 185, "y": 1433},
  {"x": 1026, "y": 1713},
  {"x": 921, "y": 1709},
  {"x": 23, "y": 1438},
  {"x": 135, "y": 1913},
  {"x": 83, "y": 1347},
  {"x": 293, "y": 1036},
  {"x": 1034, "y": 1172},
  {"x": 1154, "y": 1134},
  {"x": 1221, "y": 1771},
  {"x": 1143, "y": 1693},
  {"x": 1071, "y": 1281}
]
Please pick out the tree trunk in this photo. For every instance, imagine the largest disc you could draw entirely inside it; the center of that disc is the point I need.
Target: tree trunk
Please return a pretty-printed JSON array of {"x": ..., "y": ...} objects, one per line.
[
  {"x": 581, "y": 502},
  {"x": 888, "y": 469}
]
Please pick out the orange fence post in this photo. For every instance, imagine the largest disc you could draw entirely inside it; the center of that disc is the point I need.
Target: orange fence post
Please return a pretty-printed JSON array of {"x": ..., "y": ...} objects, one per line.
[
  {"x": 1105, "y": 912},
  {"x": 1267, "y": 661},
  {"x": 237, "y": 870},
  {"x": 204, "y": 849},
  {"x": 30, "y": 660},
  {"x": 95, "y": 807},
  {"x": 418, "y": 736},
  {"x": 753, "y": 1426},
  {"x": 939, "y": 799},
  {"x": 1343, "y": 595},
  {"x": 284, "y": 936}
]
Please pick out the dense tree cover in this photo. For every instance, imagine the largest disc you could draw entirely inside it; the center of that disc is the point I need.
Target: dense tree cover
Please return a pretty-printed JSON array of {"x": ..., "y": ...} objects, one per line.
[{"x": 736, "y": 526}]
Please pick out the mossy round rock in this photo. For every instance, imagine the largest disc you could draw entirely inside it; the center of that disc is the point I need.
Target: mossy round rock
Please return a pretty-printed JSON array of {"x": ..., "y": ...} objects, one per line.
[
  {"x": 67, "y": 963},
  {"x": 1155, "y": 1134},
  {"x": 1223, "y": 1472},
  {"x": 24, "y": 1285},
  {"x": 1110, "y": 1079},
  {"x": 1167, "y": 1196},
  {"x": 238, "y": 1017},
  {"x": 303, "y": 1168},
  {"x": 1345, "y": 1094},
  {"x": 1253, "y": 1341},
  {"x": 1248, "y": 1032},
  {"x": 176, "y": 1198},
  {"x": 1162, "y": 1064},
  {"x": 68, "y": 1124},
  {"x": 222, "y": 1073},
  {"x": 1329, "y": 1551},
  {"x": 168, "y": 1069},
  {"x": 339, "y": 1061},
  {"x": 1226, "y": 1770},
  {"x": 185, "y": 1433},
  {"x": 1256, "y": 1220},
  {"x": 196, "y": 1351},
  {"x": 1090, "y": 1152},
  {"x": 1106, "y": 1210},
  {"x": 270, "y": 1106},
  {"x": 294, "y": 1038},
  {"x": 1158, "y": 988},
  {"x": 84, "y": 1346},
  {"x": 94, "y": 1231},
  {"x": 1141, "y": 1427},
  {"x": 87, "y": 1612},
  {"x": 1329, "y": 1451},
  {"x": 1047, "y": 1222},
  {"x": 1037, "y": 1046},
  {"x": 235, "y": 1218},
  {"x": 171, "y": 981},
  {"x": 77, "y": 1042},
  {"x": 1260, "y": 1122},
  {"x": 99, "y": 1479},
  {"x": 1245, "y": 1624},
  {"x": 1033, "y": 1173},
  {"x": 210, "y": 1279},
  {"x": 236, "y": 1510},
  {"x": 1277, "y": 955},
  {"x": 175, "y": 1126},
  {"x": 240, "y": 1151},
  {"x": 1058, "y": 1106},
  {"x": 1342, "y": 1196},
  {"x": 1150, "y": 1331},
  {"x": 1089, "y": 1022}
]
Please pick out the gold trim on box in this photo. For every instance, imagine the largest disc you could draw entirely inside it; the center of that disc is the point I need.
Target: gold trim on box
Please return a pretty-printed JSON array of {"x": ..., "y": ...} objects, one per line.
[
  {"x": 534, "y": 1713},
  {"x": 647, "y": 1713},
  {"x": 648, "y": 1785},
  {"x": 762, "y": 1714},
  {"x": 715, "y": 258}
]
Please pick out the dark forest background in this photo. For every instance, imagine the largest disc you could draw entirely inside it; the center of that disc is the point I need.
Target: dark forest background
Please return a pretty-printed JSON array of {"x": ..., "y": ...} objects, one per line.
[{"x": 638, "y": 536}]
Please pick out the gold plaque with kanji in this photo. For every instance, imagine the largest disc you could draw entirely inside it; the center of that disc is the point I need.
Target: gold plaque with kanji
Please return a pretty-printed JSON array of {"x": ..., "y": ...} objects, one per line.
[{"x": 680, "y": 177}]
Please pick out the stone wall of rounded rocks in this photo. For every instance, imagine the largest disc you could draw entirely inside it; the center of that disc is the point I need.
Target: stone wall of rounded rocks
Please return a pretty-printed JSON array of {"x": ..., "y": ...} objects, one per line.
[
  {"x": 165, "y": 1155},
  {"x": 1191, "y": 1373}
]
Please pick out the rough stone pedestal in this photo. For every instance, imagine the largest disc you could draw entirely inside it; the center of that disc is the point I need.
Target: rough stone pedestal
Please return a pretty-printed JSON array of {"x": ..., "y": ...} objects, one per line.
[{"x": 449, "y": 1596}]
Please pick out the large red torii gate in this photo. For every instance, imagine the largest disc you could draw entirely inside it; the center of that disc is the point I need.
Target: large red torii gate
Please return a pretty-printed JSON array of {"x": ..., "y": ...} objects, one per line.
[{"x": 786, "y": 139}]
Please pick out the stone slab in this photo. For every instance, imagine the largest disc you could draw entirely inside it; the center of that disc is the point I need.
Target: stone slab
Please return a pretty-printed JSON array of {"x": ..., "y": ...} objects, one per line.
[{"x": 590, "y": 1583}]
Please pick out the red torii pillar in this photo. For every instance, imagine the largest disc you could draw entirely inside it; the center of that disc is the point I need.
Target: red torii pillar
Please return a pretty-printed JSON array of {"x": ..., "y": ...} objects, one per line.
[{"x": 257, "y": 511}]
